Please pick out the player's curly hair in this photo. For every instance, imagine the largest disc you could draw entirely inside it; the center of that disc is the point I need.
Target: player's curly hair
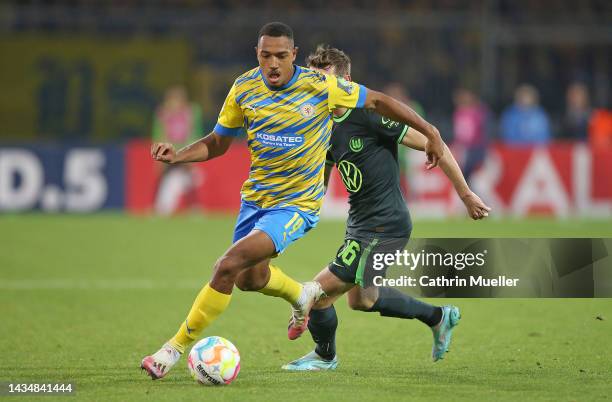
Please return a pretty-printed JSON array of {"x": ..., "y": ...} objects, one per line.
[
  {"x": 276, "y": 29},
  {"x": 326, "y": 56}
]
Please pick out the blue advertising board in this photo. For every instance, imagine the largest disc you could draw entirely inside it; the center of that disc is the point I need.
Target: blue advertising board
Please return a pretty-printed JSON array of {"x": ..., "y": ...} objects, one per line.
[{"x": 61, "y": 178}]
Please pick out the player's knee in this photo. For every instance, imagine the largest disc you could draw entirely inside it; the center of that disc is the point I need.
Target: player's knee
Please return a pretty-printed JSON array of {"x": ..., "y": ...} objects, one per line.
[
  {"x": 227, "y": 268},
  {"x": 360, "y": 304},
  {"x": 246, "y": 283},
  {"x": 323, "y": 303}
]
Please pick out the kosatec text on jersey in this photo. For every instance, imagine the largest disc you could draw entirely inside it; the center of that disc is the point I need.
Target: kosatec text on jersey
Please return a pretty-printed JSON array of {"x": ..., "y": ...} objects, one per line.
[{"x": 279, "y": 140}]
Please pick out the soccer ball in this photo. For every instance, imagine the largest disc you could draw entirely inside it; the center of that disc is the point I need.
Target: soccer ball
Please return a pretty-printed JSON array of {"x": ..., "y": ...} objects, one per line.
[{"x": 214, "y": 361}]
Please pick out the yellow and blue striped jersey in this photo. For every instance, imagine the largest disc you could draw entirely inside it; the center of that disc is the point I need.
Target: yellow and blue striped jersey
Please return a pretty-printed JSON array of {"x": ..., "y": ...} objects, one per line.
[{"x": 288, "y": 131}]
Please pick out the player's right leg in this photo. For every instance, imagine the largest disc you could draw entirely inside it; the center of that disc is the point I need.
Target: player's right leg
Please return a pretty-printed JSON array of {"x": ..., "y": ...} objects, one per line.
[
  {"x": 338, "y": 278},
  {"x": 212, "y": 300},
  {"x": 322, "y": 326}
]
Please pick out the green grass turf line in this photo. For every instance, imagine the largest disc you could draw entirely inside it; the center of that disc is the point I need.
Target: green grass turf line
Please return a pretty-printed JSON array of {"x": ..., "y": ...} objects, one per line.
[{"x": 84, "y": 297}]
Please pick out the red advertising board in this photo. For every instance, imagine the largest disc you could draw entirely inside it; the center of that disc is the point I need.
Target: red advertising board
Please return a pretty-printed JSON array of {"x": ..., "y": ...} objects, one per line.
[
  {"x": 561, "y": 180},
  {"x": 218, "y": 181}
]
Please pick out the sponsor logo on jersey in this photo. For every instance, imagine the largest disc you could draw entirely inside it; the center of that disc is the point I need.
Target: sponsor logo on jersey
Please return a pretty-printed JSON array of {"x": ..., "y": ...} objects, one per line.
[
  {"x": 351, "y": 176},
  {"x": 389, "y": 123},
  {"x": 356, "y": 144},
  {"x": 279, "y": 140},
  {"x": 345, "y": 85},
  {"x": 307, "y": 110}
]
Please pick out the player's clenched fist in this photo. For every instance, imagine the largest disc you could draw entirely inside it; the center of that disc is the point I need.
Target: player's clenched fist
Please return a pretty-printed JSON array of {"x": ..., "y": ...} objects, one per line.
[
  {"x": 477, "y": 209},
  {"x": 163, "y": 152},
  {"x": 434, "y": 149}
]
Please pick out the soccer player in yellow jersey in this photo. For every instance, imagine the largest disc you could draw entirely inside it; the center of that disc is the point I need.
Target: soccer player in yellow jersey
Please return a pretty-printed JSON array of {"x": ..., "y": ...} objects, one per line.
[{"x": 286, "y": 112}]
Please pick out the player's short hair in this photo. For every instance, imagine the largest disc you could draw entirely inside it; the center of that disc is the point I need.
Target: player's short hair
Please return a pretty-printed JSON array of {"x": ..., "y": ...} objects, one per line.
[
  {"x": 326, "y": 56},
  {"x": 276, "y": 29}
]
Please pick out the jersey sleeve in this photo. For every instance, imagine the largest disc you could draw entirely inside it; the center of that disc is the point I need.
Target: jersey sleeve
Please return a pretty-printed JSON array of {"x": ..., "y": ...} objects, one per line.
[
  {"x": 387, "y": 128},
  {"x": 343, "y": 93},
  {"x": 230, "y": 119}
]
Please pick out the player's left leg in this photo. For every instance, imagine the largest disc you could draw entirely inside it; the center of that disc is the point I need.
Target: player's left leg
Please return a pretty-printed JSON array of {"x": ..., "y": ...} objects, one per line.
[
  {"x": 269, "y": 280},
  {"x": 284, "y": 226},
  {"x": 390, "y": 302},
  {"x": 261, "y": 277}
]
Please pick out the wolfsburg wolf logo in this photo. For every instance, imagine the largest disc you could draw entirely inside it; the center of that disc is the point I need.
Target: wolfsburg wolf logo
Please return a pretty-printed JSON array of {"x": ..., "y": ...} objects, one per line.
[{"x": 356, "y": 144}]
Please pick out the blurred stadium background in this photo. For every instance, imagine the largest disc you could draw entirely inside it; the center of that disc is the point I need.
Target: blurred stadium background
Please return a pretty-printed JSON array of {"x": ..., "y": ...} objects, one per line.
[{"x": 521, "y": 89}]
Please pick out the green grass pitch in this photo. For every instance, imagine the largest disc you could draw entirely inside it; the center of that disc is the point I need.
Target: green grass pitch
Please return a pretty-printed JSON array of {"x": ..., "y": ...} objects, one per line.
[{"x": 84, "y": 298}]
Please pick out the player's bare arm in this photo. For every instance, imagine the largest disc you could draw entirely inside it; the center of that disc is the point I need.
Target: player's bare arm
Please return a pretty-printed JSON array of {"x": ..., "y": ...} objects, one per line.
[
  {"x": 204, "y": 149},
  {"x": 398, "y": 111},
  {"x": 477, "y": 209},
  {"x": 326, "y": 175}
]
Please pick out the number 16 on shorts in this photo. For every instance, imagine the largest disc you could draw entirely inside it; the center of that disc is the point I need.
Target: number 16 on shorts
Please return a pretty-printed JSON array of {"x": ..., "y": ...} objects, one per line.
[{"x": 349, "y": 252}]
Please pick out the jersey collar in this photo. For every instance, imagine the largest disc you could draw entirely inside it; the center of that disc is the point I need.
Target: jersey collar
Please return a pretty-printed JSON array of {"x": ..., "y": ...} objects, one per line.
[
  {"x": 340, "y": 119},
  {"x": 296, "y": 73}
]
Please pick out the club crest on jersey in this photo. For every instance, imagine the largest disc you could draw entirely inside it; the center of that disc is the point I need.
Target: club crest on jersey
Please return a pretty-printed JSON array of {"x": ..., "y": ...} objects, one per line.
[
  {"x": 356, "y": 144},
  {"x": 307, "y": 110},
  {"x": 345, "y": 85}
]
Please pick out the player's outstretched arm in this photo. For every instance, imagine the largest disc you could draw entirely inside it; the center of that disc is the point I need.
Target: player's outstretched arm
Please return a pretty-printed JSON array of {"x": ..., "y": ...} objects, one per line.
[
  {"x": 204, "y": 149},
  {"x": 477, "y": 209},
  {"x": 400, "y": 112}
]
